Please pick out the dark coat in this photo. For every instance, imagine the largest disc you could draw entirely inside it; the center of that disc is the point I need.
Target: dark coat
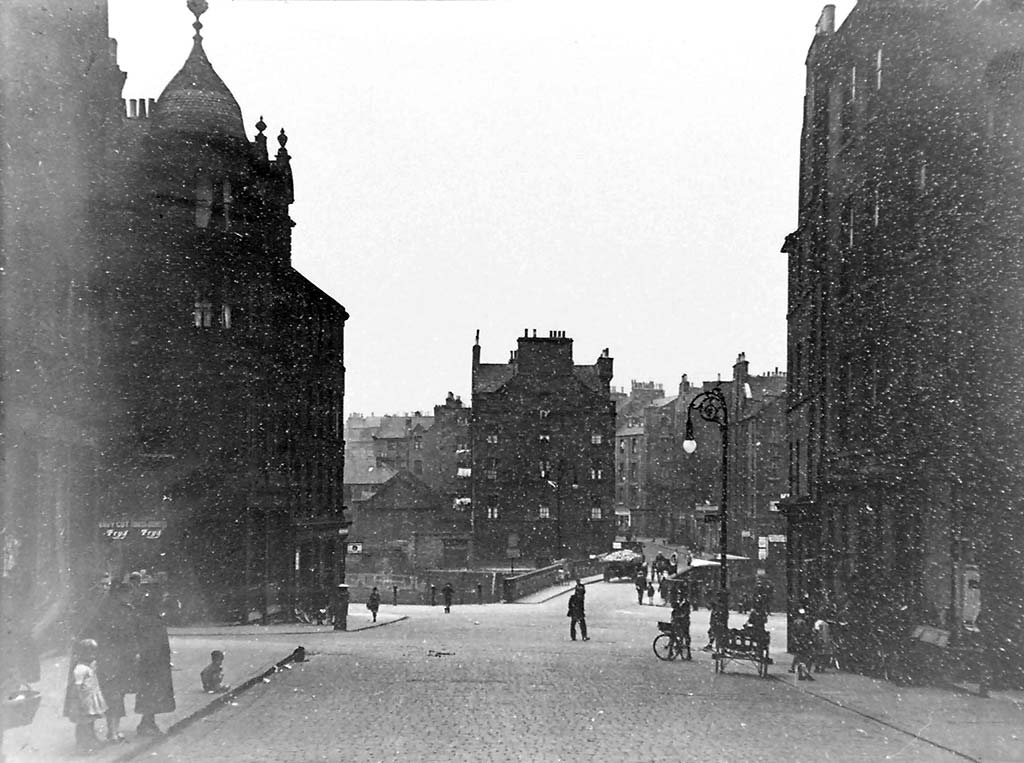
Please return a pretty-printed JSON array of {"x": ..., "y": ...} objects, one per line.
[
  {"x": 116, "y": 629},
  {"x": 576, "y": 605},
  {"x": 373, "y": 603},
  {"x": 155, "y": 691}
]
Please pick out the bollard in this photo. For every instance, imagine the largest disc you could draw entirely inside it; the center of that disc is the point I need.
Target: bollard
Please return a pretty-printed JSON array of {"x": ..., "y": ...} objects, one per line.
[
  {"x": 479, "y": 593},
  {"x": 394, "y": 595},
  {"x": 433, "y": 595},
  {"x": 341, "y": 597}
]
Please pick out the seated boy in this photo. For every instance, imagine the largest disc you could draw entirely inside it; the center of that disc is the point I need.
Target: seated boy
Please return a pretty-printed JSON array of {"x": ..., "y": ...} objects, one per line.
[{"x": 212, "y": 675}]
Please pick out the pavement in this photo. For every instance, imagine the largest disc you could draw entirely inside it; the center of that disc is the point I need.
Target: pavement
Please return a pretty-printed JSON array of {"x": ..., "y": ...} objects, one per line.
[
  {"x": 499, "y": 682},
  {"x": 252, "y": 652}
]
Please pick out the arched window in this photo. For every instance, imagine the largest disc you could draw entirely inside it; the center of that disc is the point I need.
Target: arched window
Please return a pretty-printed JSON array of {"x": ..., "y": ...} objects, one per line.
[{"x": 204, "y": 200}]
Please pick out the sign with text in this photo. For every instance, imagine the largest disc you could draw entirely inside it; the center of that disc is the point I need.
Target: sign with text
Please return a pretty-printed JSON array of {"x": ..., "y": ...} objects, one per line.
[
  {"x": 709, "y": 518},
  {"x": 121, "y": 529}
]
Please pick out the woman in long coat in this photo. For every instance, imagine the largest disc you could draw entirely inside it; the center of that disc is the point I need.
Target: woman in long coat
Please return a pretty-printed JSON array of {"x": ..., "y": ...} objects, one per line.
[
  {"x": 115, "y": 629},
  {"x": 155, "y": 689}
]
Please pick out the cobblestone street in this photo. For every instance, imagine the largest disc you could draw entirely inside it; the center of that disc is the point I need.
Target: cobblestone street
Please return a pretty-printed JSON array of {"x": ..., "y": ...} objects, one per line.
[{"x": 505, "y": 683}]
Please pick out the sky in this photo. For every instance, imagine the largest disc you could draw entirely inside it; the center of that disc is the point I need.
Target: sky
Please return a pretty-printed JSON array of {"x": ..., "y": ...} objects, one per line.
[{"x": 623, "y": 172}]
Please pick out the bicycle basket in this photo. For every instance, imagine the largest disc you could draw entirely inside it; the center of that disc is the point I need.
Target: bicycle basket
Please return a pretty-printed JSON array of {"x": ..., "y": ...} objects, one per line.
[{"x": 664, "y": 627}]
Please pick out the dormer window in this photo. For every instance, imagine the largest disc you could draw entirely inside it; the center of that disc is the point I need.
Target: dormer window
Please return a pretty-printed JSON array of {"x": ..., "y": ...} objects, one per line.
[{"x": 204, "y": 201}]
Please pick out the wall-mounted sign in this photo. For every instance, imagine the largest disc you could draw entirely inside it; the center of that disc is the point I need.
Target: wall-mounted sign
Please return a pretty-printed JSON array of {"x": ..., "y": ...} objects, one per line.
[
  {"x": 355, "y": 548},
  {"x": 777, "y": 538},
  {"x": 121, "y": 529}
]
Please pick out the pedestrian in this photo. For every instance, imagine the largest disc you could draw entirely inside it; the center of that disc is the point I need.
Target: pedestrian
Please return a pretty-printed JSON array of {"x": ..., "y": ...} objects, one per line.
[
  {"x": 641, "y": 585},
  {"x": 650, "y": 594},
  {"x": 719, "y": 620},
  {"x": 115, "y": 629},
  {"x": 681, "y": 624},
  {"x": 373, "y": 603},
  {"x": 663, "y": 591},
  {"x": 803, "y": 645},
  {"x": 577, "y": 612},
  {"x": 155, "y": 691},
  {"x": 673, "y": 563},
  {"x": 824, "y": 655},
  {"x": 448, "y": 590},
  {"x": 212, "y": 676},
  {"x": 83, "y": 699}
]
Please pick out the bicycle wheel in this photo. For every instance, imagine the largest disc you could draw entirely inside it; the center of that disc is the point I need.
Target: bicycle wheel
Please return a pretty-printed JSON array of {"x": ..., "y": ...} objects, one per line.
[{"x": 664, "y": 649}]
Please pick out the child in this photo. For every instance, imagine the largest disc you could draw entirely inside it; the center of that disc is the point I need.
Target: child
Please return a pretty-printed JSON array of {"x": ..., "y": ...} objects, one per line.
[
  {"x": 212, "y": 675},
  {"x": 83, "y": 700},
  {"x": 650, "y": 594}
]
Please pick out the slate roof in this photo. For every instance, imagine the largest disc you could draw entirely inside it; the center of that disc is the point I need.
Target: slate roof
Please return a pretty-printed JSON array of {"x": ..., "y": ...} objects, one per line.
[
  {"x": 197, "y": 101},
  {"x": 490, "y": 376}
]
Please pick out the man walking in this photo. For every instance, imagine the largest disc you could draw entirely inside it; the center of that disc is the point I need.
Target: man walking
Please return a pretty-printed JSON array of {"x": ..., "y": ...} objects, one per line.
[
  {"x": 447, "y": 591},
  {"x": 577, "y": 613}
]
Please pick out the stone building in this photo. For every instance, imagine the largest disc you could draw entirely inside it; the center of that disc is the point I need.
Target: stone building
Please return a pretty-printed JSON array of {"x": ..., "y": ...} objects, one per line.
[
  {"x": 208, "y": 372},
  {"x": 542, "y": 434},
  {"x": 906, "y": 291},
  {"x": 630, "y": 457}
]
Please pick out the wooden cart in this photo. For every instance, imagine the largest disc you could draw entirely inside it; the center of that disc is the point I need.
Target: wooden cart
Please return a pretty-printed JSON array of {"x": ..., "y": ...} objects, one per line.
[{"x": 744, "y": 644}]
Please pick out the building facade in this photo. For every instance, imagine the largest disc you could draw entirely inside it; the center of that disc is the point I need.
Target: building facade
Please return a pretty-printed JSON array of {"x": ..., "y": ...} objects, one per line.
[
  {"x": 542, "y": 434},
  {"x": 209, "y": 370},
  {"x": 905, "y": 299}
]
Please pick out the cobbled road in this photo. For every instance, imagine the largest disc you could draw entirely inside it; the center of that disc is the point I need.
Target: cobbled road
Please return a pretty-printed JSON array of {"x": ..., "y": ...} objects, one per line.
[{"x": 505, "y": 683}]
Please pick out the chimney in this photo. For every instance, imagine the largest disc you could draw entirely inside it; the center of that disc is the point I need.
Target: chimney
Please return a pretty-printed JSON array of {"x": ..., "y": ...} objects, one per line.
[
  {"x": 827, "y": 21},
  {"x": 133, "y": 108}
]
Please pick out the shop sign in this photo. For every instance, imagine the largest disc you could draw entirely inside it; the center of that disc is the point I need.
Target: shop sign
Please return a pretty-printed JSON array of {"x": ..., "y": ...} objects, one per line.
[
  {"x": 121, "y": 529},
  {"x": 354, "y": 548}
]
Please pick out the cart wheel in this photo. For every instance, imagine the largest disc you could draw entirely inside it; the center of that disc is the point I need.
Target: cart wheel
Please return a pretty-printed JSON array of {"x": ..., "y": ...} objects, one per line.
[{"x": 663, "y": 647}]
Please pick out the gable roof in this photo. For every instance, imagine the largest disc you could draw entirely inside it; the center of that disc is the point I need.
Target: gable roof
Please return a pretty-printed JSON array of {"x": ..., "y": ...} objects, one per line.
[{"x": 403, "y": 491}]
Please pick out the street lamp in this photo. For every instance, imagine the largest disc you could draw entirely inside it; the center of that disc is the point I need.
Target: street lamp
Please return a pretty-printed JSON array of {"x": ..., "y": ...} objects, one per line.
[{"x": 712, "y": 407}]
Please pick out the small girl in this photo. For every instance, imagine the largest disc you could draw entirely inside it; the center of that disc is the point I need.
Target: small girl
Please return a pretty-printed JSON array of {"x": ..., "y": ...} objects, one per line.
[{"x": 83, "y": 700}]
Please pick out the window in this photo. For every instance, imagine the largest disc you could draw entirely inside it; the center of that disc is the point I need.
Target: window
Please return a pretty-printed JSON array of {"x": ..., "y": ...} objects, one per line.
[
  {"x": 492, "y": 439},
  {"x": 922, "y": 175},
  {"x": 595, "y": 513},
  {"x": 417, "y": 467},
  {"x": 633, "y": 445},
  {"x": 596, "y": 474},
  {"x": 204, "y": 201},
  {"x": 853, "y": 84},
  {"x": 417, "y": 444},
  {"x": 544, "y": 413},
  {"x": 225, "y": 316},
  {"x": 202, "y": 315},
  {"x": 544, "y": 512},
  {"x": 595, "y": 439},
  {"x": 544, "y": 437},
  {"x": 878, "y": 70},
  {"x": 878, "y": 205},
  {"x": 492, "y": 512},
  {"x": 545, "y": 468},
  {"x": 622, "y": 445},
  {"x": 491, "y": 474}
]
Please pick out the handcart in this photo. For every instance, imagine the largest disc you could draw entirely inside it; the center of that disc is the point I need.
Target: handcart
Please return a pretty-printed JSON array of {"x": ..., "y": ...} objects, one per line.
[{"x": 748, "y": 644}]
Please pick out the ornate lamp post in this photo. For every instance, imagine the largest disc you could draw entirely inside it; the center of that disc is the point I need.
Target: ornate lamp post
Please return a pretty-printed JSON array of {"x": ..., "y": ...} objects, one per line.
[{"x": 712, "y": 407}]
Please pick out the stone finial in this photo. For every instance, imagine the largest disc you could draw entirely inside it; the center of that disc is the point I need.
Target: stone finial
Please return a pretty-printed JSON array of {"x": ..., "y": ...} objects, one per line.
[
  {"x": 261, "y": 125},
  {"x": 282, "y": 139},
  {"x": 198, "y": 8}
]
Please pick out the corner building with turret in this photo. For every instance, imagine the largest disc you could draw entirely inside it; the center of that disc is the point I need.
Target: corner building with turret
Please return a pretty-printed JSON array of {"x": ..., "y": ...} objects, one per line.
[
  {"x": 214, "y": 376},
  {"x": 542, "y": 436}
]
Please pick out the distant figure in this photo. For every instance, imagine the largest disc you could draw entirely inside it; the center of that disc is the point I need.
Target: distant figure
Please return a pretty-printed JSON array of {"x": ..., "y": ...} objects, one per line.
[
  {"x": 447, "y": 591},
  {"x": 681, "y": 624},
  {"x": 663, "y": 590},
  {"x": 803, "y": 645},
  {"x": 673, "y": 563},
  {"x": 83, "y": 700},
  {"x": 823, "y": 652},
  {"x": 719, "y": 621},
  {"x": 641, "y": 586},
  {"x": 212, "y": 675},
  {"x": 373, "y": 603},
  {"x": 650, "y": 594},
  {"x": 115, "y": 628},
  {"x": 577, "y": 613}
]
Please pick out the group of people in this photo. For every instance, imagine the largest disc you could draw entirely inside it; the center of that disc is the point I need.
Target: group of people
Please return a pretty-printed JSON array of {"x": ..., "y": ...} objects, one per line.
[
  {"x": 123, "y": 649},
  {"x": 811, "y": 639}
]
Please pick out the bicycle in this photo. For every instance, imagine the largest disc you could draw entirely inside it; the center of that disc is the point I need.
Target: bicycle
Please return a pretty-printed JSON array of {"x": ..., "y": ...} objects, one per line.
[{"x": 667, "y": 645}]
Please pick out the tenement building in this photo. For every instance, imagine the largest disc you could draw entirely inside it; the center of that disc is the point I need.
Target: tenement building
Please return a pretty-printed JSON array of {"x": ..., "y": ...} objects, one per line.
[
  {"x": 542, "y": 436},
  {"x": 194, "y": 429},
  {"x": 906, "y": 310}
]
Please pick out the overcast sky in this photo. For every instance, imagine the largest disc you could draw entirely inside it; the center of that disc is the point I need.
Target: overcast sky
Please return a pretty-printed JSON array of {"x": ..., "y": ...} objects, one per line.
[{"x": 625, "y": 172}]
